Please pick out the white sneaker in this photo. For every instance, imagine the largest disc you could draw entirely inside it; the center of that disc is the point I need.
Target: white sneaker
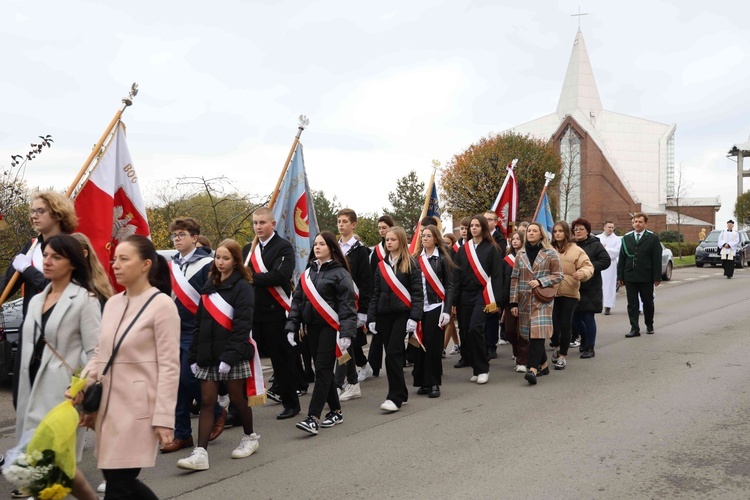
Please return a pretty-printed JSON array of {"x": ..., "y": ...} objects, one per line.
[
  {"x": 351, "y": 391},
  {"x": 224, "y": 401},
  {"x": 473, "y": 378},
  {"x": 455, "y": 350},
  {"x": 364, "y": 373},
  {"x": 389, "y": 406},
  {"x": 482, "y": 378},
  {"x": 502, "y": 342},
  {"x": 198, "y": 460},
  {"x": 247, "y": 446},
  {"x": 102, "y": 488},
  {"x": 520, "y": 368}
]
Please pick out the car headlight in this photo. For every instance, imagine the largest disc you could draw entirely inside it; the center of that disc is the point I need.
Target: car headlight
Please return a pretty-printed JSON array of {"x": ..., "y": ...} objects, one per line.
[{"x": 699, "y": 250}]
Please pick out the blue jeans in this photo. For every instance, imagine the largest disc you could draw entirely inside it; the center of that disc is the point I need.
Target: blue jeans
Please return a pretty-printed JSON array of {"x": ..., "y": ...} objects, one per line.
[
  {"x": 585, "y": 323},
  {"x": 188, "y": 390}
]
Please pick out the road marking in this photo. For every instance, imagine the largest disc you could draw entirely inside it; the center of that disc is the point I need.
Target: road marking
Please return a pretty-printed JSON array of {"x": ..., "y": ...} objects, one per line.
[{"x": 690, "y": 279}]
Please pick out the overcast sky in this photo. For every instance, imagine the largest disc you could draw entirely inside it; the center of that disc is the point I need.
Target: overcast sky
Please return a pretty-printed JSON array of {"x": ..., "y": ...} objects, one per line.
[{"x": 388, "y": 86}]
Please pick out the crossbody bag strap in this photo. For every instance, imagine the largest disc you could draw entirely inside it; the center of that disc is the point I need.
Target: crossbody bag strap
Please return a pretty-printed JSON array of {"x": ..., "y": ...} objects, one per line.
[
  {"x": 58, "y": 356},
  {"x": 117, "y": 347}
]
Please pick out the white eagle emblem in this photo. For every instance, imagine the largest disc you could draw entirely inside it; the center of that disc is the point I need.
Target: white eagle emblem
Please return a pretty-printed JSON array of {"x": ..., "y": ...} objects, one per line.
[
  {"x": 502, "y": 218},
  {"x": 120, "y": 227}
]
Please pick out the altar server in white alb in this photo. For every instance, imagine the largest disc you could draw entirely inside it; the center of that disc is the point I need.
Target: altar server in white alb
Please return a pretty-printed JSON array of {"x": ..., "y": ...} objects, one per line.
[
  {"x": 611, "y": 243},
  {"x": 729, "y": 239}
]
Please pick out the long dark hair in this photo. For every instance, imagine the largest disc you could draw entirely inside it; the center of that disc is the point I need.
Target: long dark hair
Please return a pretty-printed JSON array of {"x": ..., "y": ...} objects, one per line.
[
  {"x": 235, "y": 251},
  {"x": 333, "y": 246},
  {"x": 486, "y": 236},
  {"x": 68, "y": 247},
  {"x": 439, "y": 243},
  {"x": 562, "y": 247},
  {"x": 158, "y": 275}
]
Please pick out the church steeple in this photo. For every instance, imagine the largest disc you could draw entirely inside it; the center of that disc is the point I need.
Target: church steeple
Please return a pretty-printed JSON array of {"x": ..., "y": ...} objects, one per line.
[{"x": 579, "y": 89}]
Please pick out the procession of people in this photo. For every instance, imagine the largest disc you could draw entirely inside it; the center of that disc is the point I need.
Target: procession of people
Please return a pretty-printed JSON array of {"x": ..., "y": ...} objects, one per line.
[{"x": 197, "y": 349}]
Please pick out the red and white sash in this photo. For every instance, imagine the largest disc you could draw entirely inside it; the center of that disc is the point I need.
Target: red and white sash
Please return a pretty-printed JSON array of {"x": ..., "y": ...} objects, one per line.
[
  {"x": 431, "y": 277},
  {"x": 510, "y": 259},
  {"x": 456, "y": 247},
  {"x": 35, "y": 252},
  {"x": 223, "y": 313},
  {"x": 183, "y": 290},
  {"x": 326, "y": 312},
  {"x": 380, "y": 251},
  {"x": 277, "y": 292},
  {"x": 395, "y": 285},
  {"x": 480, "y": 273}
]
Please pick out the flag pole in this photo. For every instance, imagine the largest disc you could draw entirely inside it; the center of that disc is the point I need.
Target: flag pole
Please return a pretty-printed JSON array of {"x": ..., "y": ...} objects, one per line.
[
  {"x": 303, "y": 123},
  {"x": 548, "y": 176},
  {"x": 126, "y": 101}
]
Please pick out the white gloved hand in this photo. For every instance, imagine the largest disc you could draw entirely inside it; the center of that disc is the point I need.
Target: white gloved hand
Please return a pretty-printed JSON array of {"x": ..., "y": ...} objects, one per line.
[
  {"x": 21, "y": 262},
  {"x": 445, "y": 318},
  {"x": 290, "y": 339},
  {"x": 411, "y": 326},
  {"x": 224, "y": 368},
  {"x": 345, "y": 343},
  {"x": 361, "y": 320},
  {"x": 194, "y": 368},
  {"x": 371, "y": 327}
]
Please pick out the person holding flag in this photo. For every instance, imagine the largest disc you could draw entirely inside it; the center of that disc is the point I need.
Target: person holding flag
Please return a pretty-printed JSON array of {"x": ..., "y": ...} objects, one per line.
[
  {"x": 437, "y": 285},
  {"x": 220, "y": 350},
  {"x": 395, "y": 309},
  {"x": 479, "y": 286},
  {"x": 324, "y": 302}
]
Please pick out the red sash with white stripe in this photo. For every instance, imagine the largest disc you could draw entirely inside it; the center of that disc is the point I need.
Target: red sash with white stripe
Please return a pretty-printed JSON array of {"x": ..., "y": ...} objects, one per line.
[
  {"x": 395, "y": 285},
  {"x": 277, "y": 292},
  {"x": 456, "y": 247},
  {"x": 326, "y": 312},
  {"x": 480, "y": 273},
  {"x": 183, "y": 290},
  {"x": 380, "y": 251},
  {"x": 223, "y": 313},
  {"x": 510, "y": 259},
  {"x": 431, "y": 277},
  {"x": 35, "y": 252}
]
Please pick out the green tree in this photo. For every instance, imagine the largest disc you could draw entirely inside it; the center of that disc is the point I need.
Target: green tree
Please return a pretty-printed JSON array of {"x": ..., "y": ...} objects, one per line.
[
  {"x": 326, "y": 211},
  {"x": 407, "y": 202},
  {"x": 472, "y": 178},
  {"x": 367, "y": 229},
  {"x": 15, "y": 200},
  {"x": 742, "y": 209}
]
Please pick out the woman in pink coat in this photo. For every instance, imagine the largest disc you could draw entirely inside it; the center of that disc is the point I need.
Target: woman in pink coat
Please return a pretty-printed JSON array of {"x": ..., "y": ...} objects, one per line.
[{"x": 140, "y": 389}]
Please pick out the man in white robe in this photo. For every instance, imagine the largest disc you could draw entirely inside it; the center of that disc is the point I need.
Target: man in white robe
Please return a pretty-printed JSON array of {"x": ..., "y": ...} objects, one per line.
[
  {"x": 611, "y": 243},
  {"x": 729, "y": 239}
]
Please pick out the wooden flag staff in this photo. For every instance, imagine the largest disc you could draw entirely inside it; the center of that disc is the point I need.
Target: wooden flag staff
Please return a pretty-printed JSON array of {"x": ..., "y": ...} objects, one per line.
[
  {"x": 548, "y": 176},
  {"x": 126, "y": 101}
]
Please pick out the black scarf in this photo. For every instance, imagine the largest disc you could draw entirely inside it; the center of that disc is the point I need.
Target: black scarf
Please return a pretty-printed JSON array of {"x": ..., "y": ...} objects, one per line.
[{"x": 532, "y": 251}]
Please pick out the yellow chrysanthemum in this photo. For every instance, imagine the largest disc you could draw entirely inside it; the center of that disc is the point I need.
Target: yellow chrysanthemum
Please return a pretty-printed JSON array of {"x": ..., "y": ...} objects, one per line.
[{"x": 54, "y": 492}]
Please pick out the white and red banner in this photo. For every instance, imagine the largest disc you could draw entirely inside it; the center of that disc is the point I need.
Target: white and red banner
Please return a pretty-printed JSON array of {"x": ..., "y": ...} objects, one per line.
[
  {"x": 326, "y": 312},
  {"x": 277, "y": 292},
  {"x": 510, "y": 259},
  {"x": 431, "y": 277},
  {"x": 380, "y": 251},
  {"x": 183, "y": 290},
  {"x": 480, "y": 273},
  {"x": 506, "y": 203},
  {"x": 394, "y": 284},
  {"x": 110, "y": 206}
]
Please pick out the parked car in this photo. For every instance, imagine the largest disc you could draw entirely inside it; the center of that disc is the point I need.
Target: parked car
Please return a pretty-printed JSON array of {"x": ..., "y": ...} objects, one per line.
[
  {"x": 11, "y": 317},
  {"x": 707, "y": 252},
  {"x": 667, "y": 264}
]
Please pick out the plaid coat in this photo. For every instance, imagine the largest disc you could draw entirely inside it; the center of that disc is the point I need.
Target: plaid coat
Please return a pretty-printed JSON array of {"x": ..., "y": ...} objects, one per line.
[{"x": 534, "y": 317}]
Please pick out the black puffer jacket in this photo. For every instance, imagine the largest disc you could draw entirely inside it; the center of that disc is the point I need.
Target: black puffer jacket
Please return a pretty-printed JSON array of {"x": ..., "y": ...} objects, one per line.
[
  {"x": 212, "y": 343},
  {"x": 334, "y": 284},
  {"x": 444, "y": 270},
  {"x": 384, "y": 301},
  {"x": 591, "y": 290}
]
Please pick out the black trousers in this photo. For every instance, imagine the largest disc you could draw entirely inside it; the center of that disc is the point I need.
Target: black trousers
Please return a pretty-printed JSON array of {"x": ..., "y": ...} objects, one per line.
[
  {"x": 646, "y": 292},
  {"x": 428, "y": 364},
  {"x": 728, "y": 265},
  {"x": 375, "y": 356},
  {"x": 562, "y": 322},
  {"x": 322, "y": 342},
  {"x": 537, "y": 354},
  {"x": 492, "y": 330},
  {"x": 358, "y": 343},
  {"x": 271, "y": 339},
  {"x": 472, "y": 321},
  {"x": 124, "y": 484},
  {"x": 391, "y": 329}
]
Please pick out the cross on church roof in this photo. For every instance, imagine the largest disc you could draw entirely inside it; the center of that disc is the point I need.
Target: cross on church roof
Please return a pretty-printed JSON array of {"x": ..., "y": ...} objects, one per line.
[{"x": 579, "y": 16}]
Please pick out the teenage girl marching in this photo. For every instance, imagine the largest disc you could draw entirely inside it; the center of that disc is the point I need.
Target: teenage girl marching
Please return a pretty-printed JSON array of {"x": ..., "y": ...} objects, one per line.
[
  {"x": 395, "y": 309},
  {"x": 220, "y": 350},
  {"x": 324, "y": 303}
]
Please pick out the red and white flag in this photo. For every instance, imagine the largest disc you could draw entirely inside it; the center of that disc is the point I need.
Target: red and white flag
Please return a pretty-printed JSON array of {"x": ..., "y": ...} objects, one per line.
[
  {"x": 110, "y": 206},
  {"x": 506, "y": 203}
]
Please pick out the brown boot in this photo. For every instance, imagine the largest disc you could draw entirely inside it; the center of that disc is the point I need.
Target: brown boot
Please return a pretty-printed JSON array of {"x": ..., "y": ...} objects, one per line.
[
  {"x": 218, "y": 425},
  {"x": 177, "y": 444}
]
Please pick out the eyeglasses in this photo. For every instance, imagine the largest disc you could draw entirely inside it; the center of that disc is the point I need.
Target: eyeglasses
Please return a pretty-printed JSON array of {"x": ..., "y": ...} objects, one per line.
[
  {"x": 37, "y": 211},
  {"x": 179, "y": 236},
  {"x": 577, "y": 229}
]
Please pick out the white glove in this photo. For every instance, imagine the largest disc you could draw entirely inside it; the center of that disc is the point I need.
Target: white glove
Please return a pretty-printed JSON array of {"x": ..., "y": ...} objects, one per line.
[
  {"x": 21, "y": 262},
  {"x": 371, "y": 327},
  {"x": 445, "y": 318},
  {"x": 290, "y": 339},
  {"x": 361, "y": 320},
  {"x": 345, "y": 343},
  {"x": 224, "y": 368},
  {"x": 194, "y": 368},
  {"x": 411, "y": 326}
]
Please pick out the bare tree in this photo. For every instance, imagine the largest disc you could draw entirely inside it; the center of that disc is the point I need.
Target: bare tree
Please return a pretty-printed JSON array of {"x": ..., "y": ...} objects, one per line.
[
  {"x": 570, "y": 175},
  {"x": 681, "y": 189}
]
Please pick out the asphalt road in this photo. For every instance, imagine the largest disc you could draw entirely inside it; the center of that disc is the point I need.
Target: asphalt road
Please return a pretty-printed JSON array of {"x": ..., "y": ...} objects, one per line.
[{"x": 660, "y": 416}]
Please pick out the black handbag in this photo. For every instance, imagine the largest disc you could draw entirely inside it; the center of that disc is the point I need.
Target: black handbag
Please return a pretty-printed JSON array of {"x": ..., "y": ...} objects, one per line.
[{"x": 93, "y": 396}]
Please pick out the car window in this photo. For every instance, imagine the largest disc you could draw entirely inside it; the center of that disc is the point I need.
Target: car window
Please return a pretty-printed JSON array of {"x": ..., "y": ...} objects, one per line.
[{"x": 713, "y": 237}]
